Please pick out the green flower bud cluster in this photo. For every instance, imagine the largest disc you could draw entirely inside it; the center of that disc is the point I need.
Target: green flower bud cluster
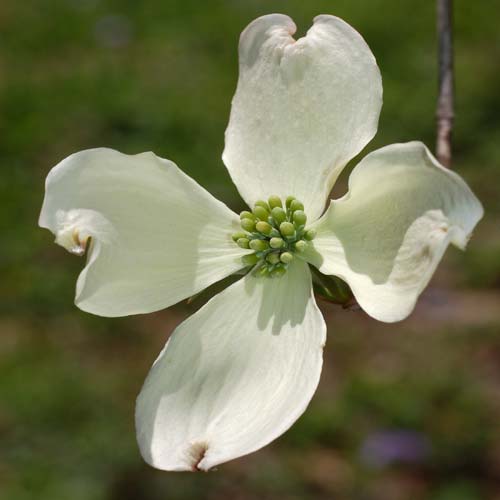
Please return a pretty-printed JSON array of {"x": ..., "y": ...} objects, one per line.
[{"x": 275, "y": 231}]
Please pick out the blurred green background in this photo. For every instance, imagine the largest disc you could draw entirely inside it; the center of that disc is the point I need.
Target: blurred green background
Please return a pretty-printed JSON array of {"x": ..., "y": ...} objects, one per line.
[{"x": 403, "y": 411}]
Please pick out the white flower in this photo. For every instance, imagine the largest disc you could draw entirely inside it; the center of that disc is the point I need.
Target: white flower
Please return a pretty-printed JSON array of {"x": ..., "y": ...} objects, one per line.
[{"x": 241, "y": 370}]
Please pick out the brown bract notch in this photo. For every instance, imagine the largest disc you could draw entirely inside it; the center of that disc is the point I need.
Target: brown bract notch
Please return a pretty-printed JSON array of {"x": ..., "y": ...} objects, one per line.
[{"x": 197, "y": 452}]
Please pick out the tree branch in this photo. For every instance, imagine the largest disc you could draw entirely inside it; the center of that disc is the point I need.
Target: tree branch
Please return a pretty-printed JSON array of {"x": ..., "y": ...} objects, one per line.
[{"x": 444, "y": 111}]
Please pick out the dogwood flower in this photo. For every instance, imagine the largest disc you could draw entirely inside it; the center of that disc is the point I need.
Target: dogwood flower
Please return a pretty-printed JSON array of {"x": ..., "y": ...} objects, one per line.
[{"x": 240, "y": 371}]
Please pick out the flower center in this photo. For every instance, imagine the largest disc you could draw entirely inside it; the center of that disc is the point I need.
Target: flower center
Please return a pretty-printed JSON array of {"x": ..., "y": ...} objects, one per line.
[{"x": 275, "y": 232}]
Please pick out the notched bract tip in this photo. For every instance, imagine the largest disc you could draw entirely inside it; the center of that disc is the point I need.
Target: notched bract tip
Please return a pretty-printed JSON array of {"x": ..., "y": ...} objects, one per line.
[
  {"x": 196, "y": 453},
  {"x": 75, "y": 229}
]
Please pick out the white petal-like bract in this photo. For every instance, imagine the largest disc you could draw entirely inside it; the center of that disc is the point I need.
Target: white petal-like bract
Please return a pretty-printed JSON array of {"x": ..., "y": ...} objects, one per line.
[
  {"x": 302, "y": 109},
  {"x": 387, "y": 235},
  {"x": 235, "y": 375},
  {"x": 153, "y": 235}
]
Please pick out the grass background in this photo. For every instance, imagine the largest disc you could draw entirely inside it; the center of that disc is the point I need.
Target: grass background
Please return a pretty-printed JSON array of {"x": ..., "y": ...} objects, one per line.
[{"x": 404, "y": 411}]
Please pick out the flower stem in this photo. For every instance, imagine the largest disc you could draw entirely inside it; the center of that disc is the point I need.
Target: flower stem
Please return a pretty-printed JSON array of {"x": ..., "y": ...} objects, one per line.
[{"x": 444, "y": 111}]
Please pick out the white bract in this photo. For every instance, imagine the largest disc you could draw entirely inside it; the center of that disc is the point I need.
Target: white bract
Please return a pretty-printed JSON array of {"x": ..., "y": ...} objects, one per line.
[{"x": 242, "y": 369}]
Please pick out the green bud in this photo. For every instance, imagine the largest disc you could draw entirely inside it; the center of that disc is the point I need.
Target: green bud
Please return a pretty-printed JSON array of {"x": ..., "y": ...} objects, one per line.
[
  {"x": 310, "y": 234},
  {"x": 299, "y": 217},
  {"x": 250, "y": 259},
  {"x": 286, "y": 257},
  {"x": 275, "y": 201},
  {"x": 276, "y": 242},
  {"x": 278, "y": 272},
  {"x": 263, "y": 227},
  {"x": 278, "y": 214},
  {"x": 273, "y": 258},
  {"x": 296, "y": 205},
  {"x": 263, "y": 271},
  {"x": 240, "y": 234},
  {"x": 248, "y": 224},
  {"x": 260, "y": 212},
  {"x": 287, "y": 229},
  {"x": 259, "y": 245},
  {"x": 300, "y": 246},
  {"x": 289, "y": 200},
  {"x": 262, "y": 204},
  {"x": 247, "y": 215},
  {"x": 243, "y": 243}
]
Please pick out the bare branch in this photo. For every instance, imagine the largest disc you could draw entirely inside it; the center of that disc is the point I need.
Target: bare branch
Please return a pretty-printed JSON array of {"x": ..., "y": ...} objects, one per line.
[{"x": 444, "y": 111}]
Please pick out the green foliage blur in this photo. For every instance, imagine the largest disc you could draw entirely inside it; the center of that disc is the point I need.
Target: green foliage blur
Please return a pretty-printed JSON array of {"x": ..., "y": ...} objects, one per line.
[{"x": 404, "y": 411}]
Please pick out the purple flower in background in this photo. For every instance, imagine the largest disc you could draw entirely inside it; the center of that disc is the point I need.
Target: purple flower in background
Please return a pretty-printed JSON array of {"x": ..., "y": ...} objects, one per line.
[{"x": 395, "y": 446}]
